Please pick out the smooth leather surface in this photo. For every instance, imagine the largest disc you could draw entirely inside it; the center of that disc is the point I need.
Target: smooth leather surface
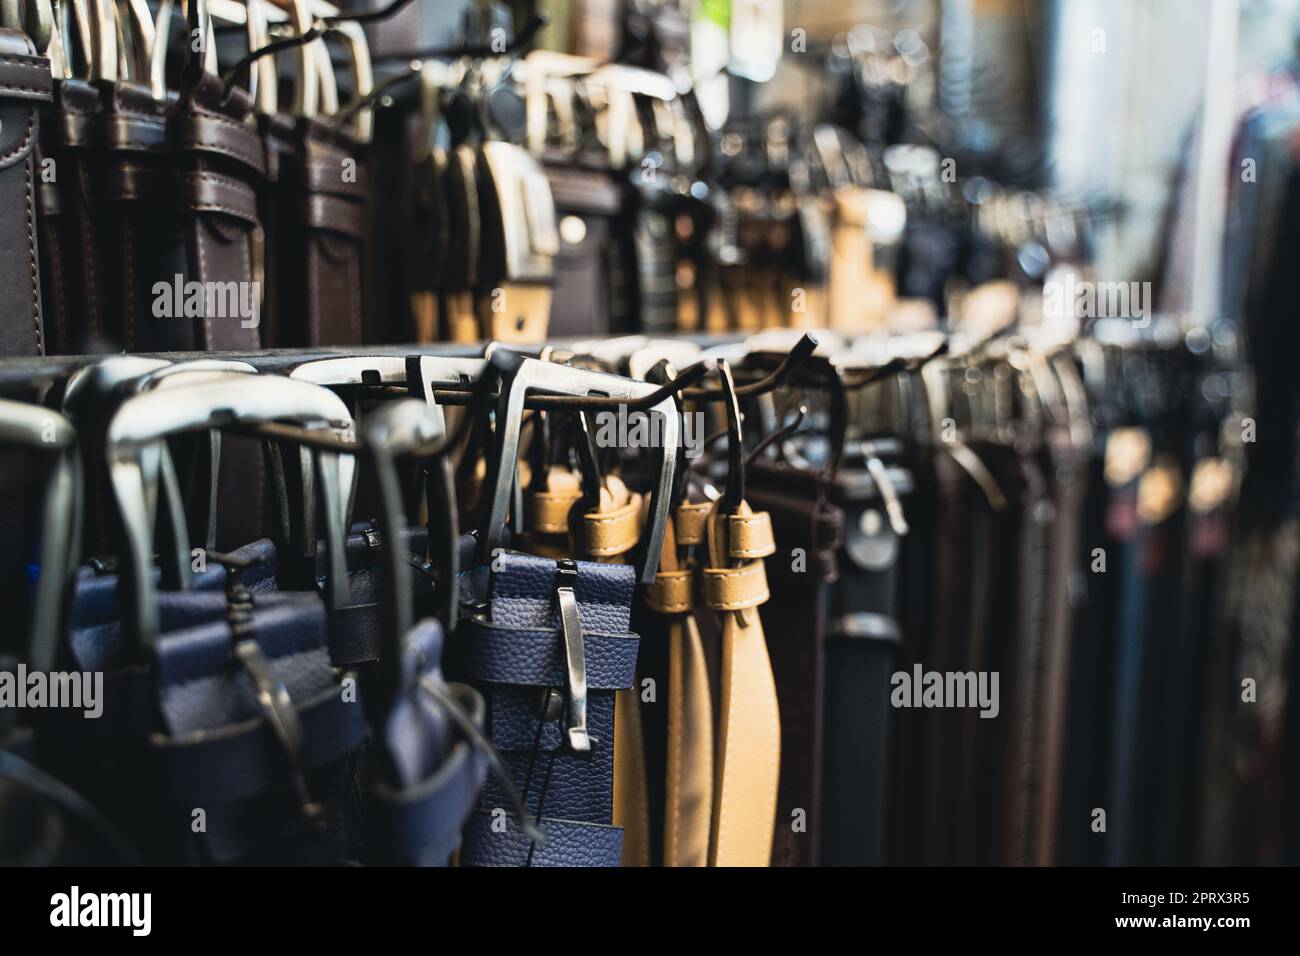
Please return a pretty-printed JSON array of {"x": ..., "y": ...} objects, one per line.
[
  {"x": 610, "y": 532},
  {"x": 861, "y": 648},
  {"x": 25, "y": 87},
  {"x": 140, "y": 242},
  {"x": 794, "y": 621},
  {"x": 324, "y": 233},
  {"x": 749, "y": 731},
  {"x": 71, "y": 274},
  {"x": 688, "y": 800},
  {"x": 218, "y": 162},
  {"x": 580, "y": 305}
]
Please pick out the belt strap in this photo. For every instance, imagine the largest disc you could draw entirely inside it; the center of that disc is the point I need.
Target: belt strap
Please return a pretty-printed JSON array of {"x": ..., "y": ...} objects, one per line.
[
  {"x": 802, "y": 517},
  {"x": 516, "y": 312},
  {"x": 134, "y": 220},
  {"x": 749, "y": 747},
  {"x": 422, "y": 824},
  {"x": 330, "y": 207},
  {"x": 690, "y": 522},
  {"x": 609, "y": 533},
  {"x": 25, "y": 86},
  {"x": 671, "y": 591},
  {"x": 548, "y": 514},
  {"x": 71, "y": 280},
  {"x": 219, "y": 161},
  {"x": 568, "y": 843},
  {"x": 688, "y": 810},
  {"x": 519, "y": 647}
]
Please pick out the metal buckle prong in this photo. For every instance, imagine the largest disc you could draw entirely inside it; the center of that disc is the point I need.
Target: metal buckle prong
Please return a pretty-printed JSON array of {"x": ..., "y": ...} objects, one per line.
[{"x": 566, "y": 573}]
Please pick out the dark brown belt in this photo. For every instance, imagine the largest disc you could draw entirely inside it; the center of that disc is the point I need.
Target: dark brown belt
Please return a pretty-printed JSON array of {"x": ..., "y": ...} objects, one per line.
[
  {"x": 25, "y": 87},
  {"x": 794, "y": 621},
  {"x": 324, "y": 237}
]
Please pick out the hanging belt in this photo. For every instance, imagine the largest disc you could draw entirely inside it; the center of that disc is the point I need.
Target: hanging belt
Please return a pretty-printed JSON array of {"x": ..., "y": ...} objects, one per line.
[
  {"x": 797, "y": 619},
  {"x": 749, "y": 731},
  {"x": 25, "y": 86},
  {"x": 688, "y": 798}
]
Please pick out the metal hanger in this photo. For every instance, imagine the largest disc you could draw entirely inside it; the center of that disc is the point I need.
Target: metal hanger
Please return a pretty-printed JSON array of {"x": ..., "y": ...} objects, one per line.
[
  {"x": 143, "y": 420},
  {"x": 40, "y": 428},
  {"x": 396, "y": 430},
  {"x": 521, "y": 376}
]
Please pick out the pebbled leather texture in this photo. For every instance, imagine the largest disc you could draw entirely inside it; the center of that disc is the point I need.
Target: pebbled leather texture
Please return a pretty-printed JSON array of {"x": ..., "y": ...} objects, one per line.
[
  {"x": 25, "y": 87},
  {"x": 568, "y": 843},
  {"x": 512, "y": 649},
  {"x": 207, "y": 703},
  {"x": 417, "y": 814},
  {"x": 95, "y": 626},
  {"x": 189, "y": 725}
]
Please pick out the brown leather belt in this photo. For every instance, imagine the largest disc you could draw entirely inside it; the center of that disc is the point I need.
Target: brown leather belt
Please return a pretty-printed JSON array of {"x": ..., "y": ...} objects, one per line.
[
  {"x": 795, "y": 624},
  {"x": 26, "y": 85},
  {"x": 219, "y": 161},
  {"x": 137, "y": 231},
  {"x": 71, "y": 277},
  {"x": 749, "y": 727},
  {"x": 324, "y": 238}
]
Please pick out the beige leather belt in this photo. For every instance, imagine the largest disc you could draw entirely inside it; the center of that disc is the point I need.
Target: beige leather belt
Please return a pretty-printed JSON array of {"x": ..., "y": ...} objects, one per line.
[
  {"x": 688, "y": 810},
  {"x": 749, "y": 731}
]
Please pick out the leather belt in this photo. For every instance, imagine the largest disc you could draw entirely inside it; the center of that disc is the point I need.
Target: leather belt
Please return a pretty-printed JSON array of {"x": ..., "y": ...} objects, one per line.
[
  {"x": 219, "y": 162},
  {"x": 749, "y": 729},
  {"x": 795, "y": 622},
  {"x": 25, "y": 87},
  {"x": 862, "y": 647},
  {"x": 71, "y": 282},
  {"x": 688, "y": 770},
  {"x": 134, "y": 217},
  {"x": 324, "y": 238}
]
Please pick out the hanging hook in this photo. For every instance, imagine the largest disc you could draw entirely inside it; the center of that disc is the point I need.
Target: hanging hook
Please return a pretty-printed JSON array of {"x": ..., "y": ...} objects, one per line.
[
  {"x": 802, "y": 351},
  {"x": 462, "y": 51},
  {"x": 272, "y": 48},
  {"x": 781, "y": 434},
  {"x": 734, "y": 493}
]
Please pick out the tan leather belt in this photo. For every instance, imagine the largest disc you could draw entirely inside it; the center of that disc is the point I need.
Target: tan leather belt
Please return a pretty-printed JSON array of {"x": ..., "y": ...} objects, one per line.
[
  {"x": 688, "y": 804},
  {"x": 749, "y": 732},
  {"x": 609, "y": 533}
]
